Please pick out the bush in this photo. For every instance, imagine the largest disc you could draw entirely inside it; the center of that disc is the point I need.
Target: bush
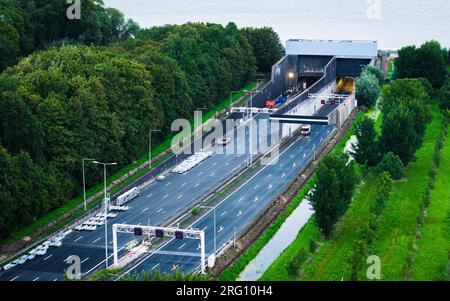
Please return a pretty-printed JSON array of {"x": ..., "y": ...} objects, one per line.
[
  {"x": 392, "y": 164},
  {"x": 367, "y": 89},
  {"x": 294, "y": 267},
  {"x": 376, "y": 72}
]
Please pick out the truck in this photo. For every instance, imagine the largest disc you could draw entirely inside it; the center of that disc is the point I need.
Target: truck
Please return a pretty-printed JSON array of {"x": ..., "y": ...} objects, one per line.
[
  {"x": 305, "y": 129},
  {"x": 127, "y": 196}
]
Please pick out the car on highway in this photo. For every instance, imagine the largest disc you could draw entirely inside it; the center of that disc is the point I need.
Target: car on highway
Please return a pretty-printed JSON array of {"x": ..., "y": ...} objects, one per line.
[
  {"x": 160, "y": 178},
  {"x": 223, "y": 141},
  {"x": 9, "y": 266},
  {"x": 305, "y": 129}
]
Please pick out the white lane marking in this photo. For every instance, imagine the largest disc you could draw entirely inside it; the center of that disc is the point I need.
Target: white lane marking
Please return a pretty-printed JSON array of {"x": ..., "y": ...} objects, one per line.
[
  {"x": 161, "y": 209},
  {"x": 84, "y": 260},
  {"x": 99, "y": 238},
  {"x": 220, "y": 229},
  {"x": 146, "y": 208},
  {"x": 165, "y": 244},
  {"x": 15, "y": 278},
  {"x": 256, "y": 186},
  {"x": 241, "y": 199},
  {"x": 49, "y": 256},
  {"x": 78, "y": 238},
  {"x": 182, "y": 185},
  {"x": 180, "y": 247},
  {"x": 269, "y": 175},
  {"x": 239, "y": 213},
  {"x": 196, "y": 185},
  {"x": 283, "y": 175},
  {"x": 304, "y": 155},
  {"x": 212, "y": 175},
  {"x": 56, "y": 279},
  {"x": 150, "y": 195},
  {"x": 215, "y": 163},
  {"x": 156, "y": 265},
  {"x": 295, "y": 164},
  {"x": 200, "y": 173},
  {"x": 227, "y": 164},
  {"x": 180, "y": 196},
  {"x": 292, "y": 156},
  {"x": 35, "y": 279},
  {"x": 204, "y": 228},
  {"x": 165, "y": 196},
  {"x": 255, "y": 200},
  {"x": 270, "y": 186},
  {"x": 168, "y": 183},
  {"x": 223, "y": 213}
]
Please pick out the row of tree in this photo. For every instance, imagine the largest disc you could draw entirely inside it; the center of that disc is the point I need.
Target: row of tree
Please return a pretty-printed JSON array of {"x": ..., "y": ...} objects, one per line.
[{"x": 76, "y": 101}]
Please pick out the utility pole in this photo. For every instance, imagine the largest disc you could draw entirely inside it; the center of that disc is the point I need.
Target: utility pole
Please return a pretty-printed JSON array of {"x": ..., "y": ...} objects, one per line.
[
  {"x": 250, "y": 113},
  {"x": 84, "y": 183},
  {"x": 106, "y": 208}
]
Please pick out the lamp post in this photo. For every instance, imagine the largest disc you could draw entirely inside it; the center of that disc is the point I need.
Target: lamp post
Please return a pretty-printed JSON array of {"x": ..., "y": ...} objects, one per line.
[
  {"x": 251, "y": 126},
  {"x": 215, "y": 231},
  {"x": 150, "y": 148},
  {"x": 84, "y": 183},
  {"x": 106, "y": 208}
]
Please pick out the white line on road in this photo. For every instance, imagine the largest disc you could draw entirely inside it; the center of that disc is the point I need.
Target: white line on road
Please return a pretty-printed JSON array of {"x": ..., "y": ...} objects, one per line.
[
  {"x": 15, "y": 278},
  {"x": 145, "y": 209},
  {"x": 200, "y": 173},
  {"x": 78, "y": 238},
  {"x": 165, "y": 196},
  {"x": 241, "y": 199},
  {"x": 223, "y": 213},
  {"x": 161, "y": 209},
  {"x": 239, "y": 213},
  {"x": 196, "y": 185},
  {"x": 35, "y": 279},
  {"x": 270, "y": 186},
  {"x": 292, "y": 156},
  {"x": 48, "y": 257},
  {"x": 283, "y": 175},
  {"x": 168, "y": 183},
  {"x": 150, "y": 195},
  {"x": 215, "y": 163},
  {"x": 180, "y": 247},
  {"x": 85, "y": 260},
  {"x": 220, "y": 229},
  {"x": 212, "y": 175},
  {"x": 180, "y": 196},
  {"x": 183, "y": 184},
  {"x": 156, "y": 265},
  {"x": 204, "y": 228},
  {"x": 56, "y": 279},
  {"x": 255, "y": 200},
  {"x": 269, "y": 175},
  {"x": 227, "y": 164},
  {"x": 256, "y": 186}
]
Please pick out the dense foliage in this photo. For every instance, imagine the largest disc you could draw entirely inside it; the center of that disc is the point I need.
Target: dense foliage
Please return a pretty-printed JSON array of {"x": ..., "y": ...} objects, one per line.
[
  {"x": 391, "y": 164},
  {"x": 444, "y": 95},
  {"x": 406, "y": 112},
  {"x": 28, "y": 25},
  {"x": 336, "y": 181},
  {"x": 429, "y": 61},
  {"x": 266, "y": 46},
  {"x": 366, "y": 150},
  {"x": 367, "y": 89},
  {"x": 72, "y": 101}
]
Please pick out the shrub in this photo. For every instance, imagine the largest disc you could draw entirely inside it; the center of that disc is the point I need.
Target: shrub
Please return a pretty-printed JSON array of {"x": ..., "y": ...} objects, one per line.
[{"x": 392, "y": 164}]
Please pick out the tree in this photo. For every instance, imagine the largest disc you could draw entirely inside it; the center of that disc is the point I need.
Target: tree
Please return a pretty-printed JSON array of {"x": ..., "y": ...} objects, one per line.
[
  {"x": 332, "y": 195},
  {"x": 405, "y": 116},
  {"x": 427, "y": 86},
  {"x": 357, "y": 258},
  {"x": 295, "y": 265},
  {"x": 444, "y": 96},
  {"x": 266, "y": 46},
  {"x": 375, "y": 71},
  {"x": 366, "y": 150},
  {"x": 367, "y": 89},
  {"x": 392, "y": 164},
  {"x": 427, "y": 61}
]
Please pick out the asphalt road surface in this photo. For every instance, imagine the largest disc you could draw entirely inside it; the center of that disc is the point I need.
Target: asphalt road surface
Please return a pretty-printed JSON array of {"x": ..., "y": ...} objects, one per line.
[{"x": 162, "y": 200}]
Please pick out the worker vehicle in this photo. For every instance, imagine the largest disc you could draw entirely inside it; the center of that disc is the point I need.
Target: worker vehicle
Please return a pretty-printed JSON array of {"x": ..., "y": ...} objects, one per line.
[{"x": 305, "y": 129}]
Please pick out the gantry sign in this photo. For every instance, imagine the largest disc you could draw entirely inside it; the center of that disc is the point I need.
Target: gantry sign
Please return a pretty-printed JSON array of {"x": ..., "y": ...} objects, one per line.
[{"x": 161, "y": 232}]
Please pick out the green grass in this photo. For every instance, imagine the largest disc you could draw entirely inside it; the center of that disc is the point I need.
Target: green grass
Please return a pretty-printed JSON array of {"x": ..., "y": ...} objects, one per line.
[
  {"x": 394, "y": 236},
  {"x": 398, "y": 223},
  {"x": 70, "y": 205},
  {"x": 232, "y": 272},
  {"x": 432, "y": 257}
]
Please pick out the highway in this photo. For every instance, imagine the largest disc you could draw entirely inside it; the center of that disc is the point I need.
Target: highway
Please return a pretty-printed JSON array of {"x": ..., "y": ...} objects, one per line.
[
  {"x": 156, "y": 204},
  {"x": 238, "y": 209},
  {"x": 160, "y": 201}
]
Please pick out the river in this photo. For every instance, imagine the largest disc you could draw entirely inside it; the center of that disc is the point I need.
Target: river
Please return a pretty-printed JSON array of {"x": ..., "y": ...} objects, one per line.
[{"x": 394, "y": 23}]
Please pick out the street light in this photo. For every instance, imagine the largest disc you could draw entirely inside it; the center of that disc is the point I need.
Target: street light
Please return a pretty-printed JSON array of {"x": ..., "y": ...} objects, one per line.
[
  {"x": 150, "y": 148},
  {"x": 84, "y": 183},
  {"x": 106, "y": 209},
  {"x": 214, "y": 209},
  {"x": 251, "y": 126}
]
